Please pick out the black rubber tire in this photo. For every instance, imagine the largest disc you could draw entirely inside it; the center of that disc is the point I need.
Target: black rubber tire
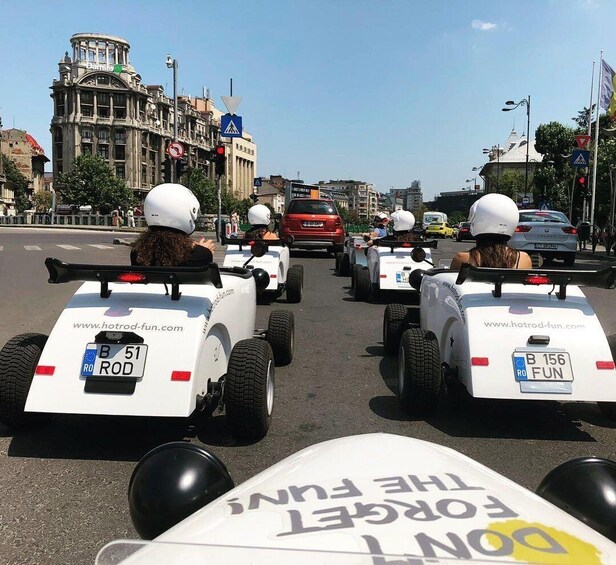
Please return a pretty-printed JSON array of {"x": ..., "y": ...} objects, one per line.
[
  {"x": 345, "y": 265},
  {"x": 338, "y": 263},
  {"x": 419, "y": 372},
  {"x": 362, "y": 284},
  {"x": 395, "y": 321},
  {"x": 295, "y": 285},
  {"x": 246, "y": 388},
  {"x": 281, "y": 336},
  {"x": 569, "y": 260},
  {"x": 18, "y": 360}
]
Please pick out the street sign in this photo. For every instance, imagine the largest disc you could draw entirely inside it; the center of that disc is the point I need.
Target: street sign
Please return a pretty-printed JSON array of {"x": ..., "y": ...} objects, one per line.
[
  {"x": 258, "y": 182},
  {"x": 231, "y": 102},
  {"x": 175, "y": 150},
  {"x": 231, "y": 126},
  {"x": 580, "y": 158},
  {"x": 582, "y": 140},
  {"x": 525, "y": 200}
]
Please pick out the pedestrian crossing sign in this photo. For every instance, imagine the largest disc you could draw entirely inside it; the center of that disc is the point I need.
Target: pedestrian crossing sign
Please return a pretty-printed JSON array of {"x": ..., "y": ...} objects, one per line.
[
  {"x": 231, "y": 126},
  {"x": 580, "y": 158}
]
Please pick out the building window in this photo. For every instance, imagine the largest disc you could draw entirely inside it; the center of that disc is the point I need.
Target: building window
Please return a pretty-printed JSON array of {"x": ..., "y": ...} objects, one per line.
[
  {"x": 119, "y": 152},
  {"x": 82, "y": 54},
  {"x": 144, "y": 175},
  {"x": 86, "y": 135},
  {"x": 102, "y": 99},
  {"x": 120, "y": 136},
  {"x": 60, "y": 108},
  {"x": 87, "y": 103},
  {"x": 120, "y": 171},
  {"x": 102, "y": 79},
  {"x": 101, "y": 57},
  {"x": 92, "y": 56},
  {"x": 103, "y": 151},
  {"x": 59, "y": 167},
  {"x": 112, "y": 56},
  {"x": 103, "y": 136},
  {"x": 57, "y": 135},
  {"x": 119, "y": 106},
  {"x": 142, "y": 104},
  {"x": 86, "y": 149}
]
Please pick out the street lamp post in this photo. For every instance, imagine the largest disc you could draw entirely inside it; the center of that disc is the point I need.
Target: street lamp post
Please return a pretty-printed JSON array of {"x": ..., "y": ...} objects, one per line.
[
  {"x": 173, "y": 64},
  {"x": 523, "y": 102},
  {"x": 498, "y": 149}
]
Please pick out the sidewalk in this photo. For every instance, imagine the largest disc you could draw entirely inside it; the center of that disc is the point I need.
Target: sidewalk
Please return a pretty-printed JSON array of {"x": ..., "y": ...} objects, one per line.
[{"x": 598, "y": 255}]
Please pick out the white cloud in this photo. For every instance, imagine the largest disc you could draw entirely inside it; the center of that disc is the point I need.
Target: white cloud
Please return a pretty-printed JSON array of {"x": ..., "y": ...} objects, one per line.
[{"x": 483, "y": 26}]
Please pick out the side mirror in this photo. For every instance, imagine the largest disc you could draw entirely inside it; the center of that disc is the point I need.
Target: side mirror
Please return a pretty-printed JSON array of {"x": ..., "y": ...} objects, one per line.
[
  {"x": 418, "y": 254},
  {"x": 584, "y": 488},
  {"x": 262, "y": 279},
  {"x": 170, "y": 483},
  {"x": 258, "y": 248},
  {"x": 415, "y": 278}
]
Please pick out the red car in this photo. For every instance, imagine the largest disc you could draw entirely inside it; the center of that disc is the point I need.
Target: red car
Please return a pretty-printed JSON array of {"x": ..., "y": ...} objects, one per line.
[
  {"x": 314, "y": 224},
  {"x": 464, "y": 232}
]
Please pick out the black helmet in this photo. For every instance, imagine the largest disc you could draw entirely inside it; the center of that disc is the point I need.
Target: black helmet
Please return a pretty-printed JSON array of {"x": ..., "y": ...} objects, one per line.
[
  {"x": 586, "y": 489},
  {"x": 170, "y": 483}
]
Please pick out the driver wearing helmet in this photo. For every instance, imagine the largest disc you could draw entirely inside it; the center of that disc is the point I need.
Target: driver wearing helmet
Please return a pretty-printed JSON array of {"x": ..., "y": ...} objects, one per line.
[
  {"x": 259, "y": 217},
  {"x": 493, "y": 220},
  {"x": 403, "y": 222},
  {"x": 170, "y": 211}
]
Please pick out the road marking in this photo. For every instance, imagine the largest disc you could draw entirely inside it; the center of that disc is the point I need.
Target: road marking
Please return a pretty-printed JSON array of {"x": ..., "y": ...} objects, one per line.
[
  {"x": 100, "y": 246},
  {"x": 1, "y": 247},
  {"x": 66, "y": 246},
  {"x": 32, "y": 248}
]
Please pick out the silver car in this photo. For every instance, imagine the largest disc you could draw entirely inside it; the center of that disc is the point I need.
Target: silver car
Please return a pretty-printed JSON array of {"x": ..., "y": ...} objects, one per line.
[{"x": 547, "y": 233}]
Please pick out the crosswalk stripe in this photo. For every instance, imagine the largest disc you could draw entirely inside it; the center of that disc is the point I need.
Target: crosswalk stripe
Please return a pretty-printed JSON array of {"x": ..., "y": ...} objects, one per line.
[
  {"x": 32, "y": 248},
  {"x": 101, "y": 246},
  {"x": 68, "y": 247}
]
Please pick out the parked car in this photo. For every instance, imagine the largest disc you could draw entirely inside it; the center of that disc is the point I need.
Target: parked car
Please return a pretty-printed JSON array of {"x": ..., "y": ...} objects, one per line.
[
  {"x": 439, "y": 229},
  {"x": 313, "y": 224},
  {"x": 464, "y": 232},
  {"x": 547, "y": 233}
]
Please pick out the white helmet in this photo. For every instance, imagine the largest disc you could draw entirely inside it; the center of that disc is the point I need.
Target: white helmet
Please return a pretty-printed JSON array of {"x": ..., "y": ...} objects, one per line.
[
  {"x": 259, "y": 215},
  {"x": 171, "y": 206},
  {"x": 403, "y": 220},
  {"x": 380, "y": 216},
  {"x": 494, "y": 214}
]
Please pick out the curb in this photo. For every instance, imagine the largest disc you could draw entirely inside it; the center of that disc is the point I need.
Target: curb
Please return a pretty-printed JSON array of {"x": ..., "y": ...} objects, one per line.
[{"x": 71, "y": 227}]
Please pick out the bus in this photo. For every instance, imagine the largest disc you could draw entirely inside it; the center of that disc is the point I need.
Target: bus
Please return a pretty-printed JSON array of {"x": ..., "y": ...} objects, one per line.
[{"x": 430, "y": 217}]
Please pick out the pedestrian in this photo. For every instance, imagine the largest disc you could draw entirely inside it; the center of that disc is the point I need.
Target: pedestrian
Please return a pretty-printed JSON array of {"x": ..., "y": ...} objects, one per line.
[
  {"x": 130, "y": 217},
  {"x": 595, "y": 237},
  {"x": 115, "y": 217},
  {"x": 493, "y": 218},
  {"x": 170, "y": 211},
  {"x": 235, "y": 222},
  {"x": 583, "y": 229}
]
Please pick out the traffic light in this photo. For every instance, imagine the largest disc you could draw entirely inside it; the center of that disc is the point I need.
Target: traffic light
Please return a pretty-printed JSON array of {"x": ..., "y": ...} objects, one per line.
[
  {"x": 166, "y": 170},
  {"x": 181, "y": 168},
  {"x": 220, "y": 159},
  {"x": 254, "y": 197},
  {"x": 582, "y": 183}
]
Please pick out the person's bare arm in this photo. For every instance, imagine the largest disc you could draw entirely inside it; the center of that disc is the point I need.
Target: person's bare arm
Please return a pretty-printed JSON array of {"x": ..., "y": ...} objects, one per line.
[
  {"x": 459, "y": 259},
  {"x": 525, "y": 261},
  {"x": 208, "y": 244}
]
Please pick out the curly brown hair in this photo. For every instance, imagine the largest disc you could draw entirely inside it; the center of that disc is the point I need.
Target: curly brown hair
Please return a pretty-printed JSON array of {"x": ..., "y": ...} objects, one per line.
[
  {"x": 162, "y": 247},
  {"x": 493, "y": 251},
  {"x": 256, "y": 232}
]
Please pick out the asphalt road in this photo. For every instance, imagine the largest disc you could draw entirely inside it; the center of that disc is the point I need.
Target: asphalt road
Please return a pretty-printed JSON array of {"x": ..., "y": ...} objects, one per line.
[{"x": 64, "y": 486}]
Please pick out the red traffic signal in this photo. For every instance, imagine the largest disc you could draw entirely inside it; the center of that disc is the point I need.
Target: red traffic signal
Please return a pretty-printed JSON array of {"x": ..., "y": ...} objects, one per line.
[
  {"x": 582, "y": 181},
  {"x": 220, "y": 159},
  {"x": 220, "y": 150}
]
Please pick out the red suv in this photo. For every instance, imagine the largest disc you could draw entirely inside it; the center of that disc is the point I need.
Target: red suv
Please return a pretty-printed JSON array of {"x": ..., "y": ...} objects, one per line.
[{"x": 314, "y": 224}]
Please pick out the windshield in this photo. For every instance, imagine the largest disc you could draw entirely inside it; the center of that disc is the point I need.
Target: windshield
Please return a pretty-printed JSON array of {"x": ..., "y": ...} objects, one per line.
[
  {"x": 544, "y": 216},
  {"x": 311, "y": 207}
]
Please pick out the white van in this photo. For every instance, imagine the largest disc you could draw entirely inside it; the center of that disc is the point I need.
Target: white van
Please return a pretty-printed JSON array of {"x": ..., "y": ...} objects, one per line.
[{"x": 430, "y": 217}]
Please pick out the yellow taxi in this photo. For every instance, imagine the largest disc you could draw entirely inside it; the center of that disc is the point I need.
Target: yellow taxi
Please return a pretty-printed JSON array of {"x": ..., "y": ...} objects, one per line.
[{"x": 439, "y": 229}]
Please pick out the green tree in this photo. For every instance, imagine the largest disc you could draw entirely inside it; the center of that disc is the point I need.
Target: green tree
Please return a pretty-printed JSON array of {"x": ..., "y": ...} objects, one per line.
[
  {"x": 457, "y": 217},
  {"x": 91, "y": 181},
  {"x": 18, "y": 182},
  {"x": 203, "y": 188},
  {"x": 512, "y": 183},
  {"x": 555, "y": 142},
  {"x": 42, "y": 201}
]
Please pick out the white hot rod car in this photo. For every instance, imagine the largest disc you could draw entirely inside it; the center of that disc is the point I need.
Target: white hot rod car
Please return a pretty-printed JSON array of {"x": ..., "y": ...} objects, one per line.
[
  {"x": 274, "y": 261},
  {"x": 503, "y": 334},
  {"x": 126, "y": 346},
  {"x": 389, "y": 266},
  {"x": 374, "y": 499},
  {"x": 353, "y": 253}
]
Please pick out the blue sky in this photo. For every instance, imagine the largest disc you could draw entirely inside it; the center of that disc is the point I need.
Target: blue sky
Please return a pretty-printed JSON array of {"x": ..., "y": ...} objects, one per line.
[{"x": 383, "y": 91}]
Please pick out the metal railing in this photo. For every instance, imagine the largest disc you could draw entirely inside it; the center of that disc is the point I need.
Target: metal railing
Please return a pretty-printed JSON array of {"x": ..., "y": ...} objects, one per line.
[{"x": 69, "y": 220}]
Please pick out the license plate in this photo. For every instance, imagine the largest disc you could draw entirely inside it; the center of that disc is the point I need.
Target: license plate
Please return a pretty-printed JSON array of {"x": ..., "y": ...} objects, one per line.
[
  {"x": 114, "y": 360},
  {"x": 546, "y": 246},
  {"x": 546, "y": 366},
  {"x": 403, "y": 277},
  {"x": 313, "y": 224}
]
